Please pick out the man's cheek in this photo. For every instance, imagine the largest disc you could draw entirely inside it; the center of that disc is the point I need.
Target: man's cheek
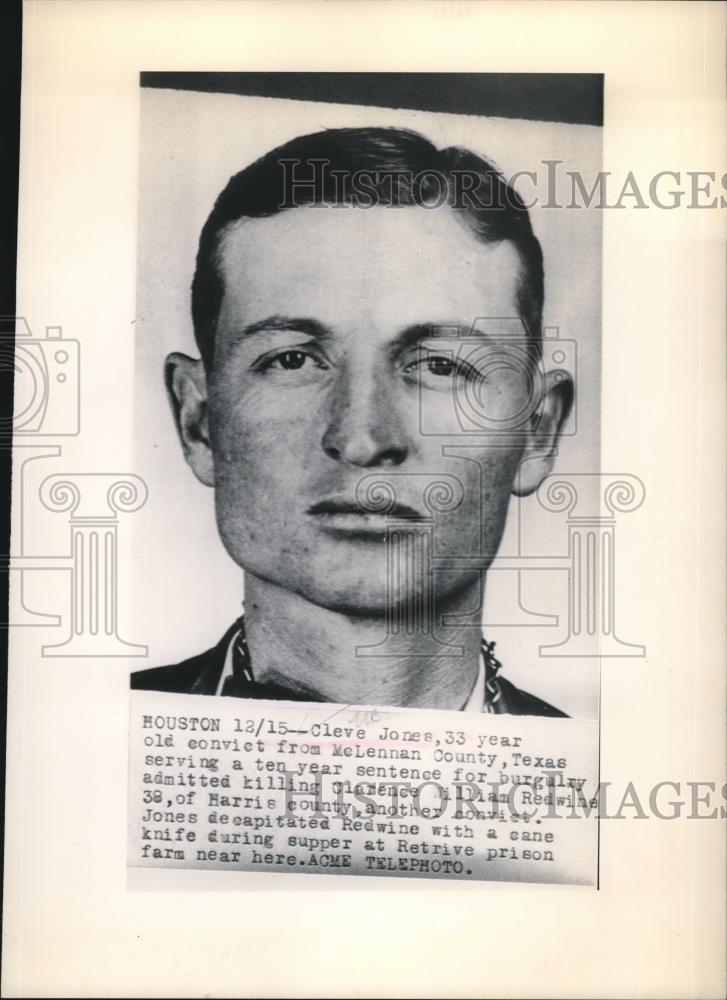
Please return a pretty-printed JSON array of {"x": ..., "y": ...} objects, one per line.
[
  {"x": 260, "y": 463},
  {"x": 252, "y": 441},
  {"x": 487, "y": 495}
]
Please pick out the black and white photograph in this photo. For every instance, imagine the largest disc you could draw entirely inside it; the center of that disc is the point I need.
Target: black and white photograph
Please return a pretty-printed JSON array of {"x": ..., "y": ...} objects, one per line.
[
  {"x": 400, "y": 380},
  {"x": 367, "y": 408}
]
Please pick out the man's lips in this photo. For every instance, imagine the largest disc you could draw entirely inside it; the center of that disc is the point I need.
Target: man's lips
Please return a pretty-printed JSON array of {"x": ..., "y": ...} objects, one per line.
[{"x": 340, "y": 514}]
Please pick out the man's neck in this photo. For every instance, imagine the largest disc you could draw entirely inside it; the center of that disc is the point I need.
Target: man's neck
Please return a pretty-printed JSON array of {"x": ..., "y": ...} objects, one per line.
[{"x": 324, "y": 654}]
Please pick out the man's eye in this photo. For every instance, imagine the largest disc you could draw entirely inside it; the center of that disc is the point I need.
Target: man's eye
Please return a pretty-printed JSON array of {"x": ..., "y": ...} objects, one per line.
[
  {"x": 303, "y": 364},
  {"x": 434, "y": 371},
  {"x": 443, "y": 367},
  {"x": 427, "y": 365},
  {"x": 290, "y": 360}
]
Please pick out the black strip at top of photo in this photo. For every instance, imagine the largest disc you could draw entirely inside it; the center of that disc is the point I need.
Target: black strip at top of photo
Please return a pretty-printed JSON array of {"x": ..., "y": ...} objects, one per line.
[{"x": 575, "y": 98}]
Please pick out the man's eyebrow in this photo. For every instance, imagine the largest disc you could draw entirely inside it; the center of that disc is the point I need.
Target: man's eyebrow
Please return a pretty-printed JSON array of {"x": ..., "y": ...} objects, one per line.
[
  {"x": 412, "y": 335},
  {"x": 297, "y": 324}
]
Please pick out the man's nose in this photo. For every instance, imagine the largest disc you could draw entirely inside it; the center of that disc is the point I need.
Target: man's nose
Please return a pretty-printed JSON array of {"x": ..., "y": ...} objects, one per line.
[{"x": 364, "y": 423}]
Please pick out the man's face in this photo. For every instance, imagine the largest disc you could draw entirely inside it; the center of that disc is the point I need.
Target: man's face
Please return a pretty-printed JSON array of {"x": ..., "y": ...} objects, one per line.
[{"x": 339, "y": 365}]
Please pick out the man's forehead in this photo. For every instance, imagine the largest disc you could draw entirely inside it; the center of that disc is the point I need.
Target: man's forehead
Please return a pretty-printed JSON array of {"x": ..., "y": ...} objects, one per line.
[{"x": 343, "y": 259}]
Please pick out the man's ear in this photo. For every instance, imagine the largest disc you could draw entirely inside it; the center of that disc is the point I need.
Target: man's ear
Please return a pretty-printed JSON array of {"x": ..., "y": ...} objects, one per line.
[
  {"x": 542, "y": 437},
  {"x": 186, "y": 384}
]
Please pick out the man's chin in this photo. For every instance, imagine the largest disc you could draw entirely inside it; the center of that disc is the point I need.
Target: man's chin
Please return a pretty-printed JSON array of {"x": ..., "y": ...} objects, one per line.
[
  {"x": 371, "y": 612},
  {"x": 359, "y": 584},
  {"x": 359, "y": 599}
]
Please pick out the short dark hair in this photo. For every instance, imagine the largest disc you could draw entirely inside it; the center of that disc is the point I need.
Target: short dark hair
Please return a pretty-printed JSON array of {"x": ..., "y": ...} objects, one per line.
[{"x": 395, "y": 167}]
